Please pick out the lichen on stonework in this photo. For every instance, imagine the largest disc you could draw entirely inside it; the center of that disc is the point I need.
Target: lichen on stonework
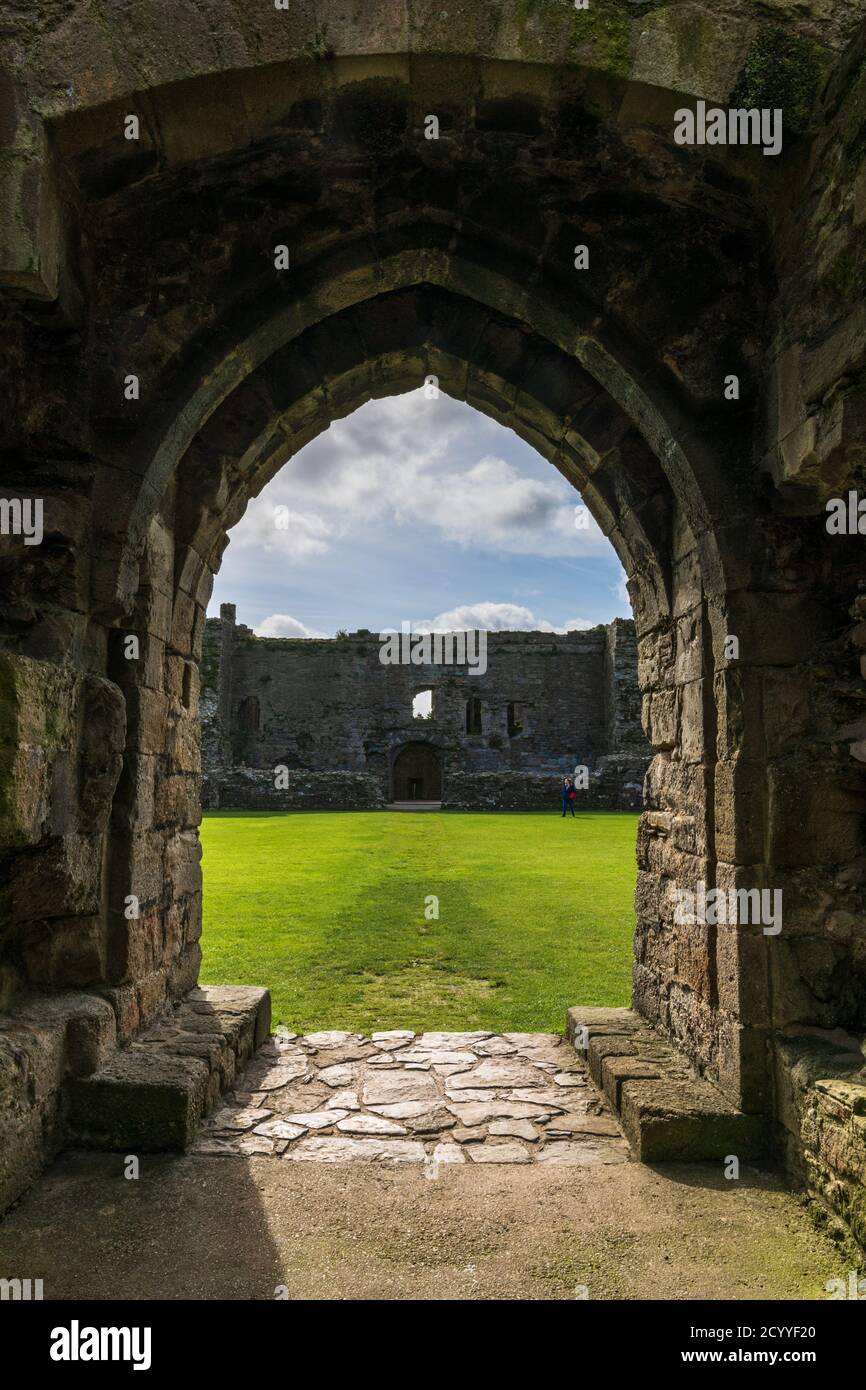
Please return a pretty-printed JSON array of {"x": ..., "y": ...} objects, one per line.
[
  {"x": 606, "y": 25},
  {"x": 782, "y": 71},
  {"x": 846, "y": 276},
  {"x": 8, "y": 736}
]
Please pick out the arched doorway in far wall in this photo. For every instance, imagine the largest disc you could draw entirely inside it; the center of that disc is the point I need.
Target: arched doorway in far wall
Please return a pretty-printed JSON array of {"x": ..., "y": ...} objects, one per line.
[{"x": 417, "y": 773}]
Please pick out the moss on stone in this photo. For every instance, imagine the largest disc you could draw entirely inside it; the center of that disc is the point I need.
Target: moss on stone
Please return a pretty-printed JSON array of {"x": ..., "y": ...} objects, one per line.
[
  {"x": 610, "y": 28},
  {"x": 846, "y": 276},
  {"x": 782, "y": 70},
  {"x": 8, "y": 739},
  {"x": 209, "y": 670},
  {"x": 830, "y": 1225},
  {"x": 606, "y": 25},
  {"x": 854, "y": 111},
  {"x": 697, "y": 40},
  {"x": 320, "y": 46}
]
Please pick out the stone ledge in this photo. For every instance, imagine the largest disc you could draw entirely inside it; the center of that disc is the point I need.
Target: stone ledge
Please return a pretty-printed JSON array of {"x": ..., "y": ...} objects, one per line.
[
  {"x": 151, "y": 1096},
  {"x": 821, "y": 1084},
  {"x": 669, "y": 1114}
]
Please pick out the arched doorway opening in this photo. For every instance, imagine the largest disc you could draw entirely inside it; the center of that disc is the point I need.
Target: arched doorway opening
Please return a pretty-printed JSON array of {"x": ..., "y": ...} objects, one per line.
[
  {"x": 416, "y": 773},
  {"x": 344, "y": 723}
]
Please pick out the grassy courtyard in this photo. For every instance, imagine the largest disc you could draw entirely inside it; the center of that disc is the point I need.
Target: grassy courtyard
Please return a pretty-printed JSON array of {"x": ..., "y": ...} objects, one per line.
[{"x": 330, "y": 911}]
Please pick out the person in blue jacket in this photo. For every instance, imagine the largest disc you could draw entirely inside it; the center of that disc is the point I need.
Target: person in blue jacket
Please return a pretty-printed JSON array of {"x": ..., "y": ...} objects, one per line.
[{"x": 567, "y": 796}]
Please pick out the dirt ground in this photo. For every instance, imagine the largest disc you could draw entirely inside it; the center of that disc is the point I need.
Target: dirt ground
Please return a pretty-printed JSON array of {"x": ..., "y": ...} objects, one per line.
[{"x": 198, "y": 1227}]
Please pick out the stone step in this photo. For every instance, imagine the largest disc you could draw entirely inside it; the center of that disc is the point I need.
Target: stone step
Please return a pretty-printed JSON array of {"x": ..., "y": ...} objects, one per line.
[
  {"x": 151, "y": 1096},
  {"x": 668, "y": 1113}
]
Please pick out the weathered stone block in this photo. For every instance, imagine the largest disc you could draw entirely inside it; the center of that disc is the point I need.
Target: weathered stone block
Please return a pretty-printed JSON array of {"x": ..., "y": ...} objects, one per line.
[
  {"x": 176, "y": 801},
  {"x": 61, "y": 878},
  {"x": 182, "y": 743},
  {"x": 137, "y": 868},
  {"x": 826, "y": 829},
  {"x": 183, "y": 973},
  {"x": 147, "y": 720},
  {"x": 787, "y": 706},
  {"x": 695, "y": 960},
  {"x": 743, "y": 1064},
  {"x": 40, "y": 1044},
  {"x": 37, "y": 708},
  {"x": 692, "y": 747},
  {"x": 63, "y": 952},
  {"x": 151, "y": 1096},
  {"x": 141, "y": 1101},
  {"x": 659, "y": 718},
  {"x": 183, "y": 862},
  {"x": 742, "y": 969},
  {"x": 614, "y": 1071},
  {"x": 101, "y": 758},
  {"x": 133, "y": 807},
  {"x": 739, "y": 804},
  {"x": 687, "y": 1122}
]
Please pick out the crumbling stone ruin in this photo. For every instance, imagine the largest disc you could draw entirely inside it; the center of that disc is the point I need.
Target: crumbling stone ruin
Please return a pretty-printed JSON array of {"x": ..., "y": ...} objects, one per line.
[
  {"x": 223, "y": 229},
  {"x": 299, "y": 722}
]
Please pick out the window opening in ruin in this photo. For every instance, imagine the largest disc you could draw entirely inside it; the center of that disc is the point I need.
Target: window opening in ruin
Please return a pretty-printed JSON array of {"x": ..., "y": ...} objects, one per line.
[
  {"x": 422, "y": 705},
  {"x": 473, "y": 715},
  {"x": 249, "y": 715},
  {"x": 515, "y": 720}
]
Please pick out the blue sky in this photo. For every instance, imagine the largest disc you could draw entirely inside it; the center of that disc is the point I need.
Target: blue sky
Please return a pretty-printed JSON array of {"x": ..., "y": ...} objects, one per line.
[{"x": 420, "y": 511}]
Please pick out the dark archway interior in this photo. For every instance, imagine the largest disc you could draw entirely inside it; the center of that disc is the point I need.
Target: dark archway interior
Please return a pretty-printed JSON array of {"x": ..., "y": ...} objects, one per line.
[
  {"x": 417, "y": 773},
  {"x": 160, "y": 367}
]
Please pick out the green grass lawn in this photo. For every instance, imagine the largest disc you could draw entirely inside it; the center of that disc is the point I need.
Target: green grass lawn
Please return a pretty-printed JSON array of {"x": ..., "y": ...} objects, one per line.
[{"x": 328, "y": 910}]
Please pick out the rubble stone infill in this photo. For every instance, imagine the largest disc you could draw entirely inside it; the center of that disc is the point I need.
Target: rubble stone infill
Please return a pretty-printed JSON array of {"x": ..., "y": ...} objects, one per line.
[{"x": 430, "y": 1098}]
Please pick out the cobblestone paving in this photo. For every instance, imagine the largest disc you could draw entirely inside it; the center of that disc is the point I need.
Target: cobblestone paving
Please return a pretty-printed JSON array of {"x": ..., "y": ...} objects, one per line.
[{"x": 433, "y": 1098}]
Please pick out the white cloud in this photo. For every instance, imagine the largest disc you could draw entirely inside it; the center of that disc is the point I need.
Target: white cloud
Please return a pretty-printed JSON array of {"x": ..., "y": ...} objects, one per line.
[
  {"x": 496, "y": 617},
  {"x": 409, "y": 460},
  {"x": 269, "y": 524},
  {"x": 493, "y": 617},
  {"x": 620, "y": 588},
  {"x": 282, "y": 625}
]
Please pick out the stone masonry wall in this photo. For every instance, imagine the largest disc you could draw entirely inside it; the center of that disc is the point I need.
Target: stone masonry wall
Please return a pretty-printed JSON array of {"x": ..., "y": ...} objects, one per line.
[{"x": 320, "y": 707}]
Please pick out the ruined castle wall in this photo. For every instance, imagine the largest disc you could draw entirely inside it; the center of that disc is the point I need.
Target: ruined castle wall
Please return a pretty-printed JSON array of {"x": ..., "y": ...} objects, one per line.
[{"x": 335, "y": 715}]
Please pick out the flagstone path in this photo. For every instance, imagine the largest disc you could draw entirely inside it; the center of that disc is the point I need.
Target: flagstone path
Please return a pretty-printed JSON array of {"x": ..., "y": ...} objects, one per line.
[
  {"x": 534, "y": 1198},
  {"x": 429, "y": 1098}
]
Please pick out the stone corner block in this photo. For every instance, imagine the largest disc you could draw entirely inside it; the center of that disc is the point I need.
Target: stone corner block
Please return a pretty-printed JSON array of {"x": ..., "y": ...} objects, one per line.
[
  {"x": 687, "y": 1122},
  {"x": 236, "y": 1002},
  {"x": 140, "y": 1101},
  {"x": 152, "y": 1096},
  {"x": 601, "y": 1021}
]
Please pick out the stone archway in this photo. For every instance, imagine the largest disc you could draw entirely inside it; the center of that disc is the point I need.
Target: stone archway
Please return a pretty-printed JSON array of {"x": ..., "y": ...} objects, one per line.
[
  {"x": 171, "y": 368},
  {"x": 416, "y": 773}
]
